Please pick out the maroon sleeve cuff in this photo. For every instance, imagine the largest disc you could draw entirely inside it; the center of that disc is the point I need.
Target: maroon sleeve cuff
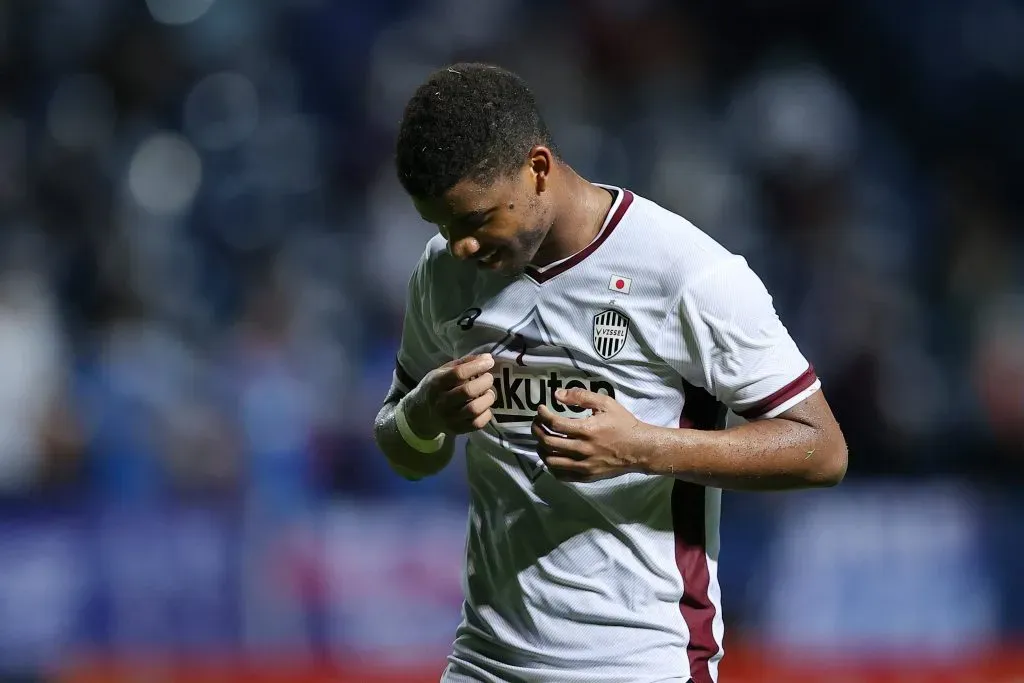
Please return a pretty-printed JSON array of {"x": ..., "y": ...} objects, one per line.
[
  {"x": 787, "y": 392},
  {"x": 404, "y": 377}
]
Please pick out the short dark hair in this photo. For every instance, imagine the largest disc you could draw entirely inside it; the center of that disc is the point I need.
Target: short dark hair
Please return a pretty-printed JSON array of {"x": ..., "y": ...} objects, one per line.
[{"x": 467, "y": 120}]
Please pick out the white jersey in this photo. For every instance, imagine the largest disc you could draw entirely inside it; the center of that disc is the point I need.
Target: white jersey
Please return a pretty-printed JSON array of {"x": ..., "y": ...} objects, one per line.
[{"x": 616, "y": 580}]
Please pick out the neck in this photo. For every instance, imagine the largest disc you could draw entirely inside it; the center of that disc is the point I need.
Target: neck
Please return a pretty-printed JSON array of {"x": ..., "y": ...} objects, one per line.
[{"x": 579, "y": 215}]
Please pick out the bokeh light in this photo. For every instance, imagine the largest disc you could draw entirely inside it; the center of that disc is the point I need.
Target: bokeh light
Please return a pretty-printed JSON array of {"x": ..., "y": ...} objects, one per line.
[{"x": 165, "y": 173}]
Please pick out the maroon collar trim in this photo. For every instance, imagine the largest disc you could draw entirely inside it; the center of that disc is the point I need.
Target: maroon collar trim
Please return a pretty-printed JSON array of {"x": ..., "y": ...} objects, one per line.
[{"x": 542, "y": 276}]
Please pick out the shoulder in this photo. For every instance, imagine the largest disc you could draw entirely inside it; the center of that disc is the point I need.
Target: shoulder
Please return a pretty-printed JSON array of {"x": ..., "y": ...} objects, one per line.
[
  {"x": 436, "y": 266},
  {"x": 676, "y": 250},
  {"x": 435, "y": 256},
  {"x": 441, "y": 281}
]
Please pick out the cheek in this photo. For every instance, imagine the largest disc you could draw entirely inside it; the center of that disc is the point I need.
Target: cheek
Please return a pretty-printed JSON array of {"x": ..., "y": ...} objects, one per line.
[
  {"x": 530, "y": 218},
  {"x": 506, "y": 228}
]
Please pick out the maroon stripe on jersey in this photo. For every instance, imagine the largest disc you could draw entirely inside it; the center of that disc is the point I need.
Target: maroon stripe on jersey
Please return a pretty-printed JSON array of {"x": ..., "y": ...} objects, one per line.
[
  {"x": 700, "y": 411},
  {"x": 782, "y": 395},
  {"x": 403, "y": 376},
  {"x": 698, "y": 610},
  {"x": 543, "y": 276}
]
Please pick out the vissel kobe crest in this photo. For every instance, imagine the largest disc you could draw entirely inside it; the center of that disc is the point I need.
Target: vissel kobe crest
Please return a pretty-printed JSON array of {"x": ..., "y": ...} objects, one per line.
[{"x": 610, "y": 331}]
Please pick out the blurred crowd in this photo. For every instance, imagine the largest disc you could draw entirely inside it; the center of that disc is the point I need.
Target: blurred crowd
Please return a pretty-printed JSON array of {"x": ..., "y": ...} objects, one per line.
[{"x": 205, "y": 250}]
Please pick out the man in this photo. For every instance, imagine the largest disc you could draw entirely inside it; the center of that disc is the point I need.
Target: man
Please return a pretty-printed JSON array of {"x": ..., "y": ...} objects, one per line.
[{"x": 589, "y": 342}]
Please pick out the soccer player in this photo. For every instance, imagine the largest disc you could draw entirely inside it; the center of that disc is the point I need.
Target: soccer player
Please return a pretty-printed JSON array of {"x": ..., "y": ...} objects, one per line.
[{"x": 591, "y": 344}]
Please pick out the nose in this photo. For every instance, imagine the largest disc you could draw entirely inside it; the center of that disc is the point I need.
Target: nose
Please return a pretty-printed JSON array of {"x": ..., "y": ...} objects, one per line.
[{"x": 464, "y": 248}]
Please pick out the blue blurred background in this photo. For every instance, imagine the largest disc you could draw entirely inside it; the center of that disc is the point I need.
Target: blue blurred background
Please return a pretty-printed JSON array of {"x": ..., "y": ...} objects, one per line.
[{"x": 203, "y": 261}]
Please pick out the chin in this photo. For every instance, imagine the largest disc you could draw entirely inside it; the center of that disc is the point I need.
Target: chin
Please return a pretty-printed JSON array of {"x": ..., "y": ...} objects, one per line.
[
  {"x": 509, "y": 271},
  {"x": 506, "y": 267},
  {"x": 512, "y": 268}
]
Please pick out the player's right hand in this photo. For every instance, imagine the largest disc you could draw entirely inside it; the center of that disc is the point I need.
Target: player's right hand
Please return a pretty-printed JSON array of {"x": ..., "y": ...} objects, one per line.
[{"x": 455, "y": 398}]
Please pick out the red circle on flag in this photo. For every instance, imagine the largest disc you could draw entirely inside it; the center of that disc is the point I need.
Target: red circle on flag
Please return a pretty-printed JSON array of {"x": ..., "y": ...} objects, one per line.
[{"x": 619, "y": 284}]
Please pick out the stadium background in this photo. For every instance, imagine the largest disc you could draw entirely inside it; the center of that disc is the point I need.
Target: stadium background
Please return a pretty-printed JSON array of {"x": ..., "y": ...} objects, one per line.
[{"x": 204, "y": 256}]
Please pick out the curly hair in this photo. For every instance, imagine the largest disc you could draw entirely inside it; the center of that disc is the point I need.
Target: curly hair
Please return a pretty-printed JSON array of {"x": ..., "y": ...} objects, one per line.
[{"x": 468, "y": 120}]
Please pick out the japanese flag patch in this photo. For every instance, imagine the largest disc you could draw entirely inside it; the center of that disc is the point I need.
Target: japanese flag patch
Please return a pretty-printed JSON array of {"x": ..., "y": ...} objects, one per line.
[{"x": 619, "y": 284}]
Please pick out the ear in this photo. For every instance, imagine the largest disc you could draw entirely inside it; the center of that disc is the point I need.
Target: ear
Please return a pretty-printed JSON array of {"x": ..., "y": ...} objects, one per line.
[{"x": 541, "y": 163}]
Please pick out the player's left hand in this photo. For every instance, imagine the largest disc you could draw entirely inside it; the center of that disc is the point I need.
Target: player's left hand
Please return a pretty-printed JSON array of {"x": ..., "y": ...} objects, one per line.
[{"x": 601, "y": 446}]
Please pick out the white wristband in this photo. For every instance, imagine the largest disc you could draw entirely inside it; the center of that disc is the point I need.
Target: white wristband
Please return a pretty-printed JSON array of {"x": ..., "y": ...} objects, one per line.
[{"x": 421, "y": 445}]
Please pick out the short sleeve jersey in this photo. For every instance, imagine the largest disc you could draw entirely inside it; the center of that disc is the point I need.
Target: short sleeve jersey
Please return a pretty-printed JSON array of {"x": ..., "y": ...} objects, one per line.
[{"x": 613, "y": 580}]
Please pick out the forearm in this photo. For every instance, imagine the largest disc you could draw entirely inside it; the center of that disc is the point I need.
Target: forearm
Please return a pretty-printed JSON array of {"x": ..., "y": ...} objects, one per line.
[
  {"x": 766, "y": 455},
  {"x": 404, "y": 459}
]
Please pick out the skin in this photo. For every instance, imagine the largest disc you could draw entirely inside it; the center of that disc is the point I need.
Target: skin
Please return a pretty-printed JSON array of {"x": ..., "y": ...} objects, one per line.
[
  {"x": 455, "y": 398},
  {"x": 543, "y": 213},
  {"x": 540, "y": 214},
  {"x": 801, "y": 448}
]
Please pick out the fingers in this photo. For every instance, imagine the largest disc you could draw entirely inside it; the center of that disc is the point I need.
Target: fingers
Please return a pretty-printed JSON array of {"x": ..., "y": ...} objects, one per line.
[
  {"x": 477, "y": 413},
  {"x": 554, "y": 422},
  {"x": 472, "y": 415},
  {"x": 549, "y": 443},
  {"x": 482, "y": 402},
  {"x": 470, "y": 367},
  {"x": 460, "y": 393},
  {"x": 562, "y": 445},
  {"x": 481, "y": 420},
  {"x": 455, "y": 372},
  {"x": 584, "y": 399},
  {"x": 465, "y": 359},
  {"x": 468, "y": 391},
  {"x": 472, "y": 423}
]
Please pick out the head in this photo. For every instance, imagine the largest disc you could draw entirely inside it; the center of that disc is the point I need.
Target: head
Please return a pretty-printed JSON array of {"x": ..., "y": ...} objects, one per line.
[{"x": 477, "y": 159}]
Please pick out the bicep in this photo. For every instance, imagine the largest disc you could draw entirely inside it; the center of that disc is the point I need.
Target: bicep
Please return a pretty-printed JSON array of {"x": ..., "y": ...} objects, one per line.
[
  {"x": 813, "y": 411},
  {"x": 824, "y": 439}
]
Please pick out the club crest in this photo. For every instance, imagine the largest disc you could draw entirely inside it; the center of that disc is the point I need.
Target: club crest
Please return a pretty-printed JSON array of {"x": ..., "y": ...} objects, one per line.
[{"x": 610, "y": 331}]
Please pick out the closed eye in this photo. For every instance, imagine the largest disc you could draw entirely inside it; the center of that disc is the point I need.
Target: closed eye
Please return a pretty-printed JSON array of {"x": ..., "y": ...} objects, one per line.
[
  {"x": 465, "y": 224},
  {"x": 473, "y": 220}
]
